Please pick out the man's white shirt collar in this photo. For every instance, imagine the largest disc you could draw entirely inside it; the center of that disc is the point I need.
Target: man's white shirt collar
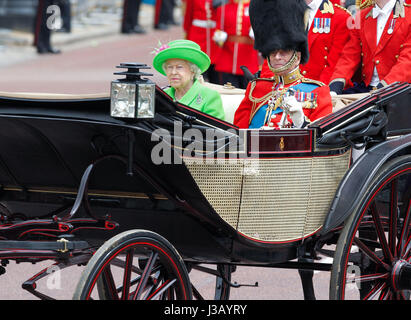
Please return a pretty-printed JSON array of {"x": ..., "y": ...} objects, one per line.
[
  {"x": 314, "y": 6},
  {"x": 386, "y": 10}
]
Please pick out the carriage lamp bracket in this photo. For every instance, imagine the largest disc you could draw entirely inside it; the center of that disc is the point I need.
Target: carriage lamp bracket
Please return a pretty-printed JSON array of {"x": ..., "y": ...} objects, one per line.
[{"x": 130, "y": 158}]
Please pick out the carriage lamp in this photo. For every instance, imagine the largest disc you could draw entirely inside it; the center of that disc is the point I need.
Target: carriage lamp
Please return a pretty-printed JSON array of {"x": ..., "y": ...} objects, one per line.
[{"x": 132, "y": 97}]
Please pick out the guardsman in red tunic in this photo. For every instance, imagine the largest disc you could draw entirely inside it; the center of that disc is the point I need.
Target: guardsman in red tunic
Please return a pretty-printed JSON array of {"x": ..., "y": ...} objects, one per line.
[
  {"x": 286, "y": 99},
  {"x": 235, "y": 39},
  {"x": 199, "y": 26},
  {"x": 327, "y": 36},
  {"x": 380, "y": 45}
]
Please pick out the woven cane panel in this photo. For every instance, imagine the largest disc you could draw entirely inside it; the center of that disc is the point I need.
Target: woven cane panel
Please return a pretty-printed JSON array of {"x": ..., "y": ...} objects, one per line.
[
  {"x": 325, "y": 180},
  {"x": 281, "y": 200},
  {"x": 274, "y": 202},
  {"x": 220, "y": 183}
]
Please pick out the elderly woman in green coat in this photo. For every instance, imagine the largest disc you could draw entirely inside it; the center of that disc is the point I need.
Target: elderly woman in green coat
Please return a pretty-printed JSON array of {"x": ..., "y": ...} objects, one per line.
[{"x": 182, "y": 62}]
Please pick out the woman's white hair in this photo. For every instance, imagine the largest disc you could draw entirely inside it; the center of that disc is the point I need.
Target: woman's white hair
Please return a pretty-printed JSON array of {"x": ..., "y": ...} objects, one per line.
[{"x": 193, "y": 67}]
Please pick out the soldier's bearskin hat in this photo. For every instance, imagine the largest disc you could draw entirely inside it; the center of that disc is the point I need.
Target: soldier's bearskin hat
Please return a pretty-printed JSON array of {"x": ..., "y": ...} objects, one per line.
[{"x": 279, "y": 24}]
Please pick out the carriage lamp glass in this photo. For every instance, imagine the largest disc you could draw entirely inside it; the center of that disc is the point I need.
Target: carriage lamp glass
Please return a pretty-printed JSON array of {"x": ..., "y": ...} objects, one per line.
[
  {"x": 146, "y": 93},
  {"x": 123, "y": 100},
  {"x": 132, "y": 100},
  {"x": 132, "y": 97}
]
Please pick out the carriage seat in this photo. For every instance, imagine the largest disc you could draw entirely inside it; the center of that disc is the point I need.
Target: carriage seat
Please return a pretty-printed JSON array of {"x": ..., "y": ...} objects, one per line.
[{"x": 232, "y": 98}]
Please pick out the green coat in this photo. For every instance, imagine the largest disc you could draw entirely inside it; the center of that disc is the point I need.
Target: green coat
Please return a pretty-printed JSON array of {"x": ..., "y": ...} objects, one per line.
[{"x": 201, "y": 98}]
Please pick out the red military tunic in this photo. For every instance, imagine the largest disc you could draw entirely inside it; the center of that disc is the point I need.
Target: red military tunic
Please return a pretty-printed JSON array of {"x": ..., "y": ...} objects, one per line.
[
  {"x": 325, "y": 48},
  {"x": 238, "y": 50},
  {"x": 392, "y": 55},
  {"x": 199, "y": 25},
  {"x": 314, "y": 95}
]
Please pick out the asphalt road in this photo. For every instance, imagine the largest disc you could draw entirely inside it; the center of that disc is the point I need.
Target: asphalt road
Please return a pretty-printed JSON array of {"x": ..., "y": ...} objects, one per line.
[{"x": 88, "y": 67}]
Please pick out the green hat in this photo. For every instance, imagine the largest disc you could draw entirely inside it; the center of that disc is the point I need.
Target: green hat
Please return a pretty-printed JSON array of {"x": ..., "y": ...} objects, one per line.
[{"x": 181, "y": 49}]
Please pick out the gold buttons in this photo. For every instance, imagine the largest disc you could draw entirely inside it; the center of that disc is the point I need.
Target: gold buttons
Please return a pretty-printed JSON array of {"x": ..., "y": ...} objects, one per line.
[{"x": 377, "y": 62}]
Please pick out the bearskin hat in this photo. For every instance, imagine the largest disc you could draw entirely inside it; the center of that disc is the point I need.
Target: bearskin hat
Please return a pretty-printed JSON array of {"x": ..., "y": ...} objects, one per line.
[{"x": 279, "y": 24}]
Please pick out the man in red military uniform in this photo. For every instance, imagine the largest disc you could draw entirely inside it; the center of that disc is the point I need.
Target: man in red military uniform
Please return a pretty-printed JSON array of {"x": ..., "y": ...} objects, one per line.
[
  {"x": 199, "y": 26},
  {"x": 286, "y": 99},
  {"x": 327, "y": 36},
  {"x": 380, "y": 46},
  {"x": 235, "y": 39}
]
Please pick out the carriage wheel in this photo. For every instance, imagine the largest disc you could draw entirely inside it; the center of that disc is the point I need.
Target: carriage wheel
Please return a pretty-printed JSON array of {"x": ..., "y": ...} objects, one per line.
[
  {"x": 135, "y": 265},
  {"x": 373, "y": 254}
]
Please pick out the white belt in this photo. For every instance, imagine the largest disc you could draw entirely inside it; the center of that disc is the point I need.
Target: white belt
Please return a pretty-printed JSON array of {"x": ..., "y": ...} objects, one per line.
[{"x": 204, "y": 23}]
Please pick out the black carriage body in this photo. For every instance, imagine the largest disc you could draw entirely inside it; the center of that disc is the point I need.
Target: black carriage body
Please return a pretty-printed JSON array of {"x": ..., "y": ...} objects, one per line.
[{"x": 47, "y": 145}]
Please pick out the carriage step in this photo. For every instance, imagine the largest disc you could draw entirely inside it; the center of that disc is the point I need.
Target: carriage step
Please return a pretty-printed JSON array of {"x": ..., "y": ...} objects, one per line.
[{"x": 238, "y": 285}]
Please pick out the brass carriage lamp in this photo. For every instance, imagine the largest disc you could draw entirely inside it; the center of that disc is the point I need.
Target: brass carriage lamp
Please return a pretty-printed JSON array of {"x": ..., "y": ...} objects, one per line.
[{"x": 132, "y": 97}]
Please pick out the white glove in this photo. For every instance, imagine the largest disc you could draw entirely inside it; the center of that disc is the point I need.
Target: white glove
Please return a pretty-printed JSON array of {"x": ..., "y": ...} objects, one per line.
[
  {"x": 283, "y": 122},
  {"x": 251, "y": 33},
  {"x": 220, "y": 37},
  {"x": 295, "y": 110}
]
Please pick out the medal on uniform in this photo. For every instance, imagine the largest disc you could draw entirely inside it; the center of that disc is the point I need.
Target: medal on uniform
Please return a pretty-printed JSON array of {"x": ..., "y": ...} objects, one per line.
[
  {"x": 327, "y": 27},
  {"x": 391, "y": 28},
  {"x": 316, "y": 23},
  {"x": 321, "y": 28}
]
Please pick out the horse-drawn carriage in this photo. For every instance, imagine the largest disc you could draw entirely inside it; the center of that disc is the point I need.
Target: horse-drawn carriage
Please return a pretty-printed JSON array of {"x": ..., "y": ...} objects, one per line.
[{"x": 142, "y": 190}]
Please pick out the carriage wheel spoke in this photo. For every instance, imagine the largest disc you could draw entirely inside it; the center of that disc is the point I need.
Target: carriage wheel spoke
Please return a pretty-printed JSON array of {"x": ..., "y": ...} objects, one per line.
[
  {"x": 121, "y": 263},
  {"x": 380, "y": 232},
  {"x": 127, "y": 274},
  {"x": 368, "y": 277},
  {"x": 385, "y": 294},
  {"x": 110, "y": 284},
  {"x": 393, "y": 218},
  {"x": 402, "y": 243},
  {"x": 371, "y": 254},
  {"x": 407, "y": 254},
  {"x": 145, "y": 275},
  {"x": 161, "y": 289},
  {"x": 375, "y": 291}
]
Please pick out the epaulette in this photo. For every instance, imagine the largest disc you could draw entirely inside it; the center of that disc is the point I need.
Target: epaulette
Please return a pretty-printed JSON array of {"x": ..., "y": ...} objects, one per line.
[
  {"x": 343, "y": 8},
  {"x": 328, "y": 7},
  {"x": 318, "y": 83},
  {"x": 363, "y": 4}
]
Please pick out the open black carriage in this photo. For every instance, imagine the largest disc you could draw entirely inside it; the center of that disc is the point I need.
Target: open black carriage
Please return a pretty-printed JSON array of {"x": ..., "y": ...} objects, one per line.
[{"x": 143, "y": 200}]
